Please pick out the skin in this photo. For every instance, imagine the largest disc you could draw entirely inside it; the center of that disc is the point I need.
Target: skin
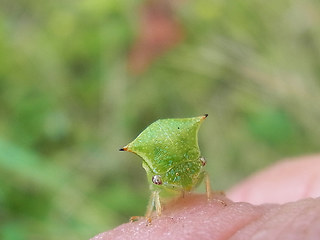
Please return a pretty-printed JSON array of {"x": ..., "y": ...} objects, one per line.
[{"x": 279, "y": 202}]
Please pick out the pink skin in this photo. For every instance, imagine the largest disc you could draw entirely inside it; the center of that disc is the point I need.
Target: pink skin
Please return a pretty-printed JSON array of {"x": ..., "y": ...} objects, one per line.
[{"x": 291, "y": 186}]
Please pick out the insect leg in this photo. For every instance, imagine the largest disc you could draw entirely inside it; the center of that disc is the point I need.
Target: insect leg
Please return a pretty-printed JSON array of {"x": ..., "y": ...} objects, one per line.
[
  {"x": 150, "y": 204},
  {"x": 157, "y": 203},
  {"x": 210, "y": 192},
  {"x": 208, "y": 185}
]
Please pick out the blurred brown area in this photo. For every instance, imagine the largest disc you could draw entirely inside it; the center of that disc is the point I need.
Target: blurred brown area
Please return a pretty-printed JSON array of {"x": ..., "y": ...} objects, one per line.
[{"x": 159, "y": 30}]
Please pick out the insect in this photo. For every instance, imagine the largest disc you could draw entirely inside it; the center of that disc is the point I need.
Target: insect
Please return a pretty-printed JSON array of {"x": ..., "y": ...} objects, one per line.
[{"x": 171, "y": 157}]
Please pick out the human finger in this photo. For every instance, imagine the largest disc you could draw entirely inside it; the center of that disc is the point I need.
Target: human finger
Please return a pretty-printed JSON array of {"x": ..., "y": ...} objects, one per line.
[
  {"x": 195, "y": 217},
  {"x": 286, "y": 181}
]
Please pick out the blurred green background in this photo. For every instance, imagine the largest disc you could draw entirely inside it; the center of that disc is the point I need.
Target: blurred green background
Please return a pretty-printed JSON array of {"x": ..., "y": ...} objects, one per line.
[{"x": 73, "y": 90}]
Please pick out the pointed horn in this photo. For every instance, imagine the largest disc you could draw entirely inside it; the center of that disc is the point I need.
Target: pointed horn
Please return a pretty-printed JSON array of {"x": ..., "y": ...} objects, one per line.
[
  {"x": 204, "y": 116},
  {"x": 123, "y": 149}
]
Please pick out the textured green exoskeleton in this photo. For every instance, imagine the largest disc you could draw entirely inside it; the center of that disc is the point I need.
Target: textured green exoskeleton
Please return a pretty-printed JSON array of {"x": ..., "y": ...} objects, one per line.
[{"x": 171, "y": 156}]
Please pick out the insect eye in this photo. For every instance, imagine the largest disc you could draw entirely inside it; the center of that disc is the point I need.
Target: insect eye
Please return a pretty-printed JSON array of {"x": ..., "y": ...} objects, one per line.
[
  {"x": 203, "y": 161},
  {"x": 156, "y": 179}
]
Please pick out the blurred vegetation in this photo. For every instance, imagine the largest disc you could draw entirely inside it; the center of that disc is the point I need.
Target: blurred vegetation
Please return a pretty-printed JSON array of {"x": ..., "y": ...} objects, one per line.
[{"x": 68, "y": 102}]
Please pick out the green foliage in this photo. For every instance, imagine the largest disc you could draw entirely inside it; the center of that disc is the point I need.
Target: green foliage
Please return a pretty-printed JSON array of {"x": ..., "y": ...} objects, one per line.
[{"x": 67, "y": 102}]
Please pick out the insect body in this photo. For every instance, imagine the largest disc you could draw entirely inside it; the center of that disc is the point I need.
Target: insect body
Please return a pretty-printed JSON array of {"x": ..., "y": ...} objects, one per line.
[{"x": 171, "y": 157}]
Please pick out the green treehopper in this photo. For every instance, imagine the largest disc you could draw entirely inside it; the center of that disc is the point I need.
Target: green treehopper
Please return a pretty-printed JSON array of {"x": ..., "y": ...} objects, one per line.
[{"x": 171, "y": 157}]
